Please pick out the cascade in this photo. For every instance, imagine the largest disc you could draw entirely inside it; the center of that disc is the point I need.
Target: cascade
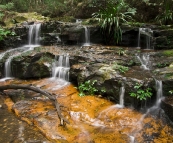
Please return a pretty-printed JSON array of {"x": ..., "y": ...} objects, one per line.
[
  {"x": 34, "y": 34},
  {"x": 33, "y": 38},
  {"x": 61, "y": 67},
  {"x": 148, "y": 35},
  {"x": 159, "y": 96},
  {"x": 8, "y": 68},
  {"x": 87, "y": 37},
  {"x": 122, "y": 91},
  {"x": 144, "y": 60},
  {"x": 121, "y": 98},
  {"x": 159, "y": 92}
]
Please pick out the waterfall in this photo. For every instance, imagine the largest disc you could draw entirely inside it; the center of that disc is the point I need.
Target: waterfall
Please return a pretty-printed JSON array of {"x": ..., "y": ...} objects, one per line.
[
  {"x": 33, "y": 38},
  {"x": 87, "y": 37},
  {"x": 61, "y": 67},
  {"x": 121, "y": 97},
  {"x": 144, "y": 60},
  {"x": 148, "y": 35},
  {"x": 122, "y": 91},
  {"x": 8, "y": 68},
  {"x": 159, "y": 90},
  {"x": 34, "y": 34}
]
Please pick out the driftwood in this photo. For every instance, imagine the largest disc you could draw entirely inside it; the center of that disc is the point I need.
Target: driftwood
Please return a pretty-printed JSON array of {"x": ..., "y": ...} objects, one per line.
[{"x": 36, "y": 89}]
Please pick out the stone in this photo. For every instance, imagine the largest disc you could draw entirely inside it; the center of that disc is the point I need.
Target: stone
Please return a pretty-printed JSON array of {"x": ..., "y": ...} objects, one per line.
[{"x": 167, "y": 106}]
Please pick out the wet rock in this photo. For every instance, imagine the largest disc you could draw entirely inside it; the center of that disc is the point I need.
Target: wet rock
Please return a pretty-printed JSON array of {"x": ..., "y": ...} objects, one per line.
[
  {"x": 32, "y": 66},
  {"x": 167, "y": 106}
]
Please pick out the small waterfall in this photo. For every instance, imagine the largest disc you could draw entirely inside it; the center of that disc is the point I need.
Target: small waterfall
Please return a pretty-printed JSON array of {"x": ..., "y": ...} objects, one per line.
[
  {"x": 121, "y": 102},
  {"x": 33, "y": 38},
  {"x": 34, "y": 34},
  {"x": 159, "y": 90},
  {"x": 148, "y": 35},
  {"x": 61, "y": 67},
  {"x": 122, "y": 91},
  {"x": 87, "y": 37},
  {"x": 144, "y": 60},
  {"x": 8, "y": 73}
]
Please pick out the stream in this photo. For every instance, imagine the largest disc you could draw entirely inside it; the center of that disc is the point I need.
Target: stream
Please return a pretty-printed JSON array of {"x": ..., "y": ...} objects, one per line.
[
  {"x": 92, "y": 119},
  {"x": 29, "y": 117}
]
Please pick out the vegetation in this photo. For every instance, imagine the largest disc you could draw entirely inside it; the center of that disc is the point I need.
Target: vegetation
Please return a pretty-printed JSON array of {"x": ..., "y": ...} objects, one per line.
[
  {"x": 4, "y": 33},
  {"x": 87, "y": 88},
  {"x": 120, "y": 68},
  {"x": 140, "y": 93},
  {"x": 111, "y": 17},
  {"x": 121, "y": 51}
]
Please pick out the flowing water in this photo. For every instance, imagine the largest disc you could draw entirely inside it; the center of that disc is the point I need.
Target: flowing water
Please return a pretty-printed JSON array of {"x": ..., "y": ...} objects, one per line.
[
  {"x": 13, "y": 130},
  {"x": 34, "y": 34},
  {"x": 33, "y": 41},
  {"x": 92, "y": 119},
  {"x": 148, "y": 35},
  {"x": 121, "y": 102},
  {"x": 61, "y": 67},
  {"x": 144, "y": 59},
  {"x": 87, "y": 37}
]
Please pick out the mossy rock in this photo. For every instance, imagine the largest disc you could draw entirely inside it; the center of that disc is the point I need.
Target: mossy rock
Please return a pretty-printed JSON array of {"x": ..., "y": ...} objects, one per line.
[
  {"x": 20, "y": 19},
  {"x": 168, "y": 53}
]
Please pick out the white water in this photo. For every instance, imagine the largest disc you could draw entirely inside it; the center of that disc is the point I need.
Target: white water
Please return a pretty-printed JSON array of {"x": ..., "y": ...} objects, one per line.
[
  {"x": 121, "y": 102},
  {"x": 33, "y": 40},
  {"x": 144, "y": 60},
  {"x": 159, "y": 96},
  {"x": 159, "y": 92},
  {"x": 149, "y": 34},
  {"x": 61, "y": 67},
  {"x": 87, "y": 37},
  {"x": 34, "y": 34}
]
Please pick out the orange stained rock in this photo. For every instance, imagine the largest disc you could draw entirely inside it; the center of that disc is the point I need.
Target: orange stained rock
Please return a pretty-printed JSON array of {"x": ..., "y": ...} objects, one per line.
[{"x": 92, "y": 119}]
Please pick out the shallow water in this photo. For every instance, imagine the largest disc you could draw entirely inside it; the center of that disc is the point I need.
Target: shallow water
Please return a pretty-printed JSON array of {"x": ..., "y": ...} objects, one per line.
[
  {"x": 13, "y": 130},
  {"x": 92, "y": 119}
]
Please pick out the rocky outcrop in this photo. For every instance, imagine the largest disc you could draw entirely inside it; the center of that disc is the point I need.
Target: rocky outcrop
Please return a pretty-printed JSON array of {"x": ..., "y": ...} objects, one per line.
[
  {"x": 167, "y": 106},
  {"x": 32, "y": 66}
]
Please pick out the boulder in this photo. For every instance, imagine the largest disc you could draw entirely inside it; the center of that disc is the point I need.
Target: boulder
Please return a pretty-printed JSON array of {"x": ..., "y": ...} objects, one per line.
[{"x": 32, "y": 66}]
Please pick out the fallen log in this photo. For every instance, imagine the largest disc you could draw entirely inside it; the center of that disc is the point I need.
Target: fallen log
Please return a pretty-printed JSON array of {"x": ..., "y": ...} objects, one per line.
[{"x": 38, "y": 90}]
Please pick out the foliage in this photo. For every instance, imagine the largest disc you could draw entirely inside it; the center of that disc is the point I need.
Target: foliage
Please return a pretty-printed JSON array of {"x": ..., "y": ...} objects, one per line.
[
  {"x": 87, "y": 88},
  {"x": 171, "y": 92},
  {"x": 121, "y": 51},
  {"x": 5, "y": 7},
  {"x": 162, "y": 65},
  {"x": 4, "y": 33},
  {"x": 168, "y": 53},
  {"x": 166, "y": 12},
  {"x": 140, "y": 93},
  {"x": 120, "y": 68},
  {"x": 111, "y": 17}
]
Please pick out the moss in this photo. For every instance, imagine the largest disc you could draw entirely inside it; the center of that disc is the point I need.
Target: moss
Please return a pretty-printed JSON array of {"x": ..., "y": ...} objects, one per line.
[
  {"x": 65, "y": 19},
  {"x": 168, "y": 53}
]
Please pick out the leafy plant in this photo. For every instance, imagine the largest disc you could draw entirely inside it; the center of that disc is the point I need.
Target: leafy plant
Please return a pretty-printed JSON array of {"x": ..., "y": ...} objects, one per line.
[
  {"x": 111, "y": 17},
  {"x": 120, "y": 68},
  {"x": 4, "y": 33},
  {"x": 87, "y": 88},
  {"x": 121, "y": 51},
  {"x": 162, "y": 65},
  {"x": 140, "y": 93},
  {"x": 171, "y": 92},
  {"x": 166, "y": 12}
]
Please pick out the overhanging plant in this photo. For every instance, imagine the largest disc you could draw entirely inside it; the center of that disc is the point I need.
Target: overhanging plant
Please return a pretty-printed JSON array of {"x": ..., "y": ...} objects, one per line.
[{"x": 111, "y": 17}]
